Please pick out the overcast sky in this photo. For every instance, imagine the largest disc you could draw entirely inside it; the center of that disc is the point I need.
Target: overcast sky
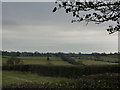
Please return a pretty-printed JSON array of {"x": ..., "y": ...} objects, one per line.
[{"x": 32, "y": 26}]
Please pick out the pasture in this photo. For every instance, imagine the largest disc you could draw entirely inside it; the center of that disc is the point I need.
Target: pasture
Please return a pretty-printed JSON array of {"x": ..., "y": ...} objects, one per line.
[
  {"x": 84, "y": 59},
  {"x": 10, "y": 77},
  {"x": 39, "y": 60},
  {"x": 28, "y": 80}
]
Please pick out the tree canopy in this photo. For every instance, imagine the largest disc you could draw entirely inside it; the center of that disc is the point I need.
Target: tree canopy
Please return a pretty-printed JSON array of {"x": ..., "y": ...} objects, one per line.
[{"x": 97, "y": 11}]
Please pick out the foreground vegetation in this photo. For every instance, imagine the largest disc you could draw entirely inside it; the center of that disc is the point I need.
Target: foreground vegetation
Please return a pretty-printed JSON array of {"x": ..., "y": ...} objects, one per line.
[
  {"x": 24, "y": 80},
  {"x": 10, "y": 77}
]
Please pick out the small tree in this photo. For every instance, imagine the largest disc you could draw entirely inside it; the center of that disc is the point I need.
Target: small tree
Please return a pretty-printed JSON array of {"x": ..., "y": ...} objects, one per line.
[
  {"x": 48, "y": 59},
  {"x": 13, "y": 60}
]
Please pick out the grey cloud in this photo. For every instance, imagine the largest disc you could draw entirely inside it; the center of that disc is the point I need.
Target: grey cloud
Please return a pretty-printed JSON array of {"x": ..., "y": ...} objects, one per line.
[{"x": 33, "y": 26}]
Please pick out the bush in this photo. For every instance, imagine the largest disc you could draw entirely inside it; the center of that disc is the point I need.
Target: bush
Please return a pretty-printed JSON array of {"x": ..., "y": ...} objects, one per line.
[
  {"x": 13, "y": 60},
  {"x": 70, "y": 60},
  {"x": 64, "y": 71}
]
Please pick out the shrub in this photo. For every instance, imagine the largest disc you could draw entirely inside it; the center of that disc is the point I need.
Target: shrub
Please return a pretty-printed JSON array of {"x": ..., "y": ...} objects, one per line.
[
  {"x": 13, "y": 60},
  {"x": 64, "y": 71},
  {"x": 69, "y": 60}
]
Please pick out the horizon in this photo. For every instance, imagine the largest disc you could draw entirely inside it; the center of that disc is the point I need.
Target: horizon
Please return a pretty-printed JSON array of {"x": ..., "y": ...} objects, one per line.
[{"x": 60, "y": 52}]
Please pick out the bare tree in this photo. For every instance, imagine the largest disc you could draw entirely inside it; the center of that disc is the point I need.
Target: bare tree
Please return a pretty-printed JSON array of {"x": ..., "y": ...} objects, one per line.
[{"x": 97, "y": 11}]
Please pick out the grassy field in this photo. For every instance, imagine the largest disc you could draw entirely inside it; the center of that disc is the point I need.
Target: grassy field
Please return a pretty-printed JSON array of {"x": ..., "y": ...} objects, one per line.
[
  {"x": 18, "y": 79},
  {"x": 86, "y": 60},
  {"x": 10, "y": 77},
  {"x": 103, "y": 61},
  {"x": 92, "y": 62},
  {"x": 108, "y": 58},
  {"x": 39, "y": 60}
]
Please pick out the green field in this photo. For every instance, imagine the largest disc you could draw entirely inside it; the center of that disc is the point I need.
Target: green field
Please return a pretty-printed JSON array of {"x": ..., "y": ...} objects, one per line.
[
  {"x": 39, "y": 60},
  {"x": 18, "y": 79},
  {"x": 102, "y": 60},
  {"x": 86, "y": 60},
  {"x": 109, "y": 58},
  {"x": 10, "y": 77},
  {"x": 92, "y": 62}
]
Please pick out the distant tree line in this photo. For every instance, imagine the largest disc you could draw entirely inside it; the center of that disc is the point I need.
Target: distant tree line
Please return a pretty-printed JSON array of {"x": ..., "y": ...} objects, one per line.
[{"x": 59, "y": 54}]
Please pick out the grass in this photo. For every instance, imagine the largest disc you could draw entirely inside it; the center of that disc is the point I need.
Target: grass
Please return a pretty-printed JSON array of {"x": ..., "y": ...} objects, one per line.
[
  {"x": 10, "y": 77},
  {"x": 85, "y": 59},
  {"x": 92, "y": 62},
  {"x": 110, "y": 59},
  {"x": 27, "y": 80},
  {"x": 39, "y": 60},
  {"x": 0, "y": 78}
]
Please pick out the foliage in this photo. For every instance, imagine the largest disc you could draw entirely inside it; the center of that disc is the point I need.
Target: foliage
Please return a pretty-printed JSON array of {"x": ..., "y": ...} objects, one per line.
[
  {"x": 98, "y": 11},
  {"x": 64, "y": 71},
  {"x": 48, "y": 58},
  {"x": 13, "y": 60},
  {"x": 69, "y": 60}
]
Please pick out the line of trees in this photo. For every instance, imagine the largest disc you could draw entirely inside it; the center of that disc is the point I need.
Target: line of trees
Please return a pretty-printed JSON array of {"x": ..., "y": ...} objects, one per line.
[
  {"x": 59, "y": 54},
  {"x": 63, "y": 71}
]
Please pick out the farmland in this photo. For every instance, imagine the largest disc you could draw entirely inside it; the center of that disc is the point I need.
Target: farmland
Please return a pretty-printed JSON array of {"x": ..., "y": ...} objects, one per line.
[
  {"x": 39, "y": 60},
  {"x": 20, "y": 77},
  {"x": 80, "y": 71},
  {"x": 87, "y": 60}
]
